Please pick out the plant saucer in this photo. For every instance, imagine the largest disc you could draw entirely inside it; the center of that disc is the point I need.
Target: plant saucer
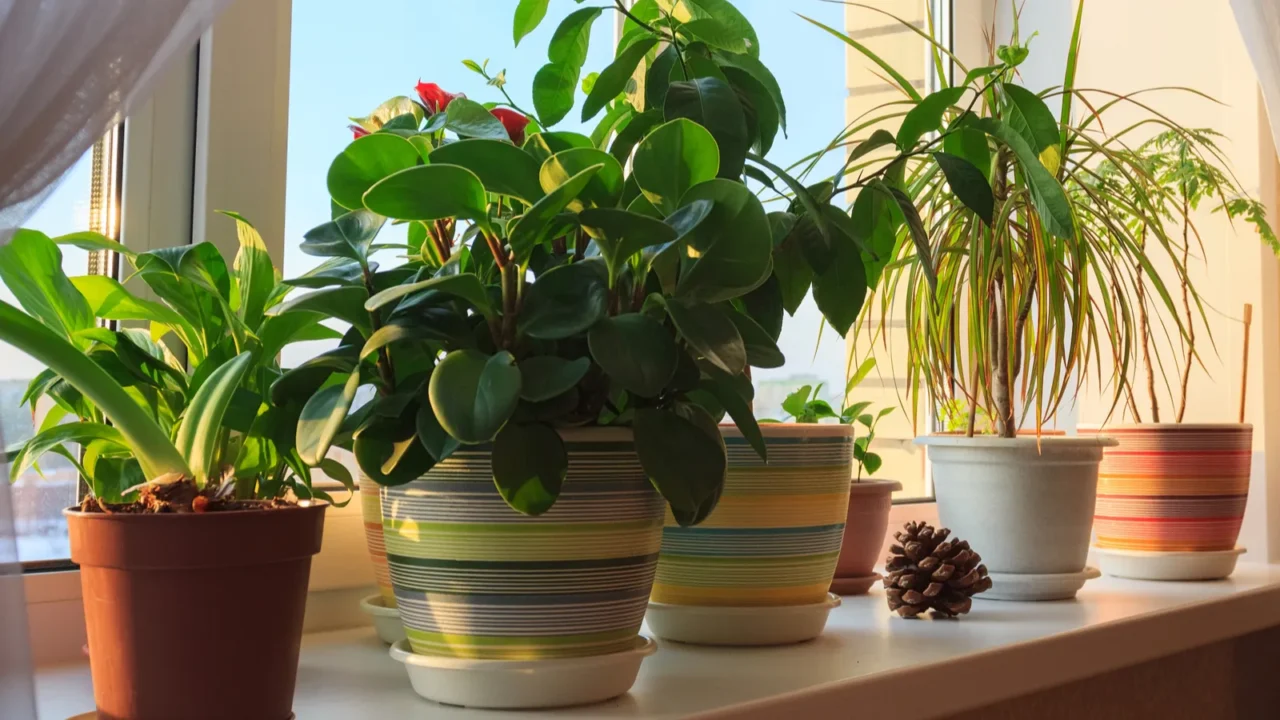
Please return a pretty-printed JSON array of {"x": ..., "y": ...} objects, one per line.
[
  {"x": 854, "y": 585},
  {"x": 1154, "y": 565},
  {"x": 523, "y": 684},
  {"x": 386, "y": 620},
  {"x": 1028, "y": 587},
  {"x": 759, "y": 625}
]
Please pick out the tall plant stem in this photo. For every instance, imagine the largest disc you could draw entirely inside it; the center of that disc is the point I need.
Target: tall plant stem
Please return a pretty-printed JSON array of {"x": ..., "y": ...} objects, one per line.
[
  {"x": 1186, "y": 307},
  {"x": 1144, "y": 334},
  {"x": 1001, "y": 382}
]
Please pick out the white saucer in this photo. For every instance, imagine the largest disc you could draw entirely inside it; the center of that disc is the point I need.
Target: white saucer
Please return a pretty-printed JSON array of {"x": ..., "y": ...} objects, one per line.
[
  {"x": 1148, "y": 565},
  {"x": 769, "y": 625},
  {"x": 854, "y": 585},
  {"x": 523, "y": 684},
  {"x": 1020, "y": 587},
  {"x": 385, "y": 620}
]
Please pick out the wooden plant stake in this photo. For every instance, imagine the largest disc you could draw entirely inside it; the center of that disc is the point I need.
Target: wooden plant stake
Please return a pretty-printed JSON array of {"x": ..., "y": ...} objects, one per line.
[{"x": 1244, "y": 371}]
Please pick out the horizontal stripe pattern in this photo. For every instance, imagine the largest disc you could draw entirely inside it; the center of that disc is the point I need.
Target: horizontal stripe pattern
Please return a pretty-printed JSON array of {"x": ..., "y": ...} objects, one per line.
[
  {"x": 774, "y": 537},
  {"x": 371, "y": 513},
  {"x": 1173, "y": 488},
  {"x": 475, "y": 579}
]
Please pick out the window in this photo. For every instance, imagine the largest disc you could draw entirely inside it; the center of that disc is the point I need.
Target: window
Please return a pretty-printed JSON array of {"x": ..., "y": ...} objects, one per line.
[{"x": 38, "y": 501}]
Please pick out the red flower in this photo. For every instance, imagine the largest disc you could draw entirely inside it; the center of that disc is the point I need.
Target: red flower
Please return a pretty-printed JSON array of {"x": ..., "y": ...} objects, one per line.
[
  {"x": 434, "y": 98},
  {"x": 513, "y": 121},
  {"x": 357, "y": 132}
]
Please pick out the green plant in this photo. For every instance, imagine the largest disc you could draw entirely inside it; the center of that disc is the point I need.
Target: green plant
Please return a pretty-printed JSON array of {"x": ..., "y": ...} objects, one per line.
[
  {"x": 152, "y": 390},
  {"x": 1011, "y": 264},
  {"x": 805, "y": 406},
  {"x": 1184, "y": 168},
  {"x": 556, "y": 279}
]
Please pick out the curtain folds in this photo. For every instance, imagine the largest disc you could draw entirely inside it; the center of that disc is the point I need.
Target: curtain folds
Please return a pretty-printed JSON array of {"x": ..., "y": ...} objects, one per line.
[{"x": 1259, "y": 22}]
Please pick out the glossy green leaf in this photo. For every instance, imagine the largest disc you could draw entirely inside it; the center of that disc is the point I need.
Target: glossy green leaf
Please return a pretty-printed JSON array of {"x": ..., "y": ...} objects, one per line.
[
  {"x": 762, "y": 350},
  {"x": 840, "y": 289},
  {"x": 565, "y": 301},
  {"x": 430, "y": 192},
  {"x": 465, "y": 286},
  {"x": 349, "y": 236},
  {"x": 197, "y": 435},
  {"x": 684, "y": 456},
  {"x": 91, "y": 241},
  {"x": 546, "y": 376},
  {"x": 713, "y": 104},
  {"x": 321, "y": 418},
  {"x": 673, "y": 158},
  {"x": 968, "y": 184},
  {"x": 31, "y": 267},
  {"x": 81, "y": 433},
  {"x": 620, "y": 234},
  {"x": 333, "y": 272},
  {"x": 373, "y": 453},
  {"x": 470, "y": 119},
  {"x": 734, "y": 244},
  {"x": 502, "y": 168},
  {"x": 572, "y": 37},
  {"x": 971, "y": 144},
  {"x": 256, "y": 275},
  {"x": 763, "y": 75},
  {"x": 760, "y": 110},
  {"x": 531, "y": 228},
  {"x": 635, "y": 351},
  {"x": 474, "y": 394},
  {"x": 1049, "y": 197},
  {"x": 735, "y": 394},
  {"x": 613, "y": 79},
  {"x": 724, "y": 12},
  {"x": 545, "y": 144},
  {"x": 640, "y": 125},
  {"x": 716, "y": 34},
  {"x": 553, "y": 88},
  {"x": 395, "y": 107},
  {"x": 278, "y": 331},
  {"x": 603, "y": 187},
  {"x": 529, "y": 465},
  {"x": 926, "y": 116},
  {"x": 529, "y": 14},
  {"x": 110, "y": 300},
  {"x": 342, "y": 303},
  {"x": 711, "y": 333},
  {"x": 432, "y": 436},
  {"x": 1030, "y": 117},
  {"x": 364, "y": 162}
]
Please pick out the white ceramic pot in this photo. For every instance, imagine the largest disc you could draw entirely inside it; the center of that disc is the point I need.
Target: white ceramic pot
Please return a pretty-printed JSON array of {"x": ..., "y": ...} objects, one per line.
[{"x": 1024, "y": 504}]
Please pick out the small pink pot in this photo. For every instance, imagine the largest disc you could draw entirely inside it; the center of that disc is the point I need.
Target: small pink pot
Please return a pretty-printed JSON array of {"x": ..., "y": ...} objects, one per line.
[
  {"x": 1173, "y": 487},
  {"x": 866, "y": 522}
]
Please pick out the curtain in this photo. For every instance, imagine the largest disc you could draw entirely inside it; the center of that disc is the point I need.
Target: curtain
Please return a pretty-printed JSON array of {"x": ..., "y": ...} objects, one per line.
[
  {"x": 71, "y": 69},
  {"x": 1259, "y": 22}
]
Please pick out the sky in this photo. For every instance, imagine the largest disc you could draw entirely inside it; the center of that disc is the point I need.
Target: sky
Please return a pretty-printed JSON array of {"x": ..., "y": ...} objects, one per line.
[{"x": 345, "y": 62}]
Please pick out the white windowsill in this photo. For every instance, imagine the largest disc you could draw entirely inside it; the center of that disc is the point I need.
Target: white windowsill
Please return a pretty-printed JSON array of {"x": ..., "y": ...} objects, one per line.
[{"x": 867, "y": 659}]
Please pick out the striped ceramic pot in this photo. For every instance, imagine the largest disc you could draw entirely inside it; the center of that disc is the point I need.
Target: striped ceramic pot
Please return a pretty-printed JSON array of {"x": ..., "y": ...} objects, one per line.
[
  {"x": 371, "y": 512},
  {"x": 1173, "y": 487},
  {"x": 475, "y": 579},
  {"x": 775, "y": 536}
]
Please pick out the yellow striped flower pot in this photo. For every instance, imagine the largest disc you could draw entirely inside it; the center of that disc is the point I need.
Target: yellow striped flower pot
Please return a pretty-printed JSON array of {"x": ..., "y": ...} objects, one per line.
[
  {"x": 774, "y": 539},
  {"x": 371, "y": 513}
]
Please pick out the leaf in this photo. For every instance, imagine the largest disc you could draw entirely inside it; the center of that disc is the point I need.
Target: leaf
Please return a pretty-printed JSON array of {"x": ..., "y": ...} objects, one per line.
[
  {"x": 256, "y": 276},
  {"x": 1030, "y": 117},
  {"x": 332, "y": 272},
  {"x": 733, "y": 246},
  {"x": 859, "y": 375},
  {"x": 278, "y": 331},
  {"x": 794, "y": 403},
  {"x": 469, "y": 118},
  {"x": 620, "y": 234},
  {"x": 543, "y": 377},
  {"x": 531, "y": 229},
  {"x": 502, "y": 168},
  {"x": 565, "y": 301},
  {"x": 762, "y": 350},
  {"x": 91, "y": 241},
  {"x": 197, "y": 435},
  {"x": 474, "y": 394},
  {"x": 545, "y": 144},
  {"x": 342, "y": 303},
  {"x": 966, "y": 142},
  {"x": 364, "y": 162},
  {"x": 713, "y": 104},
  {"x": 635, "y": 351},
  {"x": 735, "y": 393},
  {"x": 613, "y": 79},
  {"x": 81, "y": 433},
  {"x": 373, "y": 453},
  {"x": 322, "y": 417},
  {"x": 684, "y": 456},
  {"x": 395, "y": 107},
  {"x": 673, "y": 158},
  {"x": 430, "y": 192},
  {"x": 901, "y": 81},
  {"x": 31, "y": 267},
  {"x": 1049, "y": 197},
  {"x": 109, "y": 300},
  {"x": 968, "y": 184},
  {"x": 640, "y": 125},
  {"x": 793, "y": 273},
  {"x": 529, "y": 14},
  {"x": 553, "y": 88},
  {"x": 723, "y": 11},
  {"x": 529, "y": 465},
  {"x": 926, "y": 116},
  {"x": 755, "y": 68},
  {"x": 710, "y": 332},
  {"x": 348, "y": 236},
  {"x": 572, "y": 37},
  {"x": 438, "y": 443},
  {"x": 758, "y": 104},
  {"x": 465, "y": 286},
  {"x": 716, "y": 34},
  {"x": 603, "y": 187}
]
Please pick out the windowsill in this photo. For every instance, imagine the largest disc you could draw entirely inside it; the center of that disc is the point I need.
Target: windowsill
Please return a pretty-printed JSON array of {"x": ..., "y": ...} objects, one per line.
[{"x": 867, "y": 659}]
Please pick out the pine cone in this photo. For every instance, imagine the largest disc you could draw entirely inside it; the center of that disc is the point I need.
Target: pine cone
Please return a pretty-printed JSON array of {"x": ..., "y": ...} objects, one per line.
[{"x": 928, "y": 572}]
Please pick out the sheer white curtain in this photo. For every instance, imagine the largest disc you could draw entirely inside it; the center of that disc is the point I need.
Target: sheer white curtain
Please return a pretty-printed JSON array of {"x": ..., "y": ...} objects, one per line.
[
  {"x": 69, "y": 70},
  {"x": 1259, "y": 22}
]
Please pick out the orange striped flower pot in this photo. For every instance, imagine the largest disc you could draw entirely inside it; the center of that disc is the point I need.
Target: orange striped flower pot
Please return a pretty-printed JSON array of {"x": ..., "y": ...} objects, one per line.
[
  {"x": 1173, "y": 487},
  {"x": 371, "y": 512}
]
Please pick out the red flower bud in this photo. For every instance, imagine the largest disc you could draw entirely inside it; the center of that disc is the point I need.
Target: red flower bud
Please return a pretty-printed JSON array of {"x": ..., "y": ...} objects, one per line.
[
  {"x": 357, "y": 132},
  {"x": 513, "y": 121},
  {"x": 434, "y": 98}
]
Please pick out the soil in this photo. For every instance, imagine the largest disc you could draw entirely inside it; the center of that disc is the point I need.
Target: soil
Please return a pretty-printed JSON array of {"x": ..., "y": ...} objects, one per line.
[{"x": 181, "y": 496}]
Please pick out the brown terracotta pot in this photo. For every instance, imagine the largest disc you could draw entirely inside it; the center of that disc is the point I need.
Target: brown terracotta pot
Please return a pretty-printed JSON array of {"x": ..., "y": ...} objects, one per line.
[
  {"x": 864, "y": 532},
  {"x": 195, "y": 616}
]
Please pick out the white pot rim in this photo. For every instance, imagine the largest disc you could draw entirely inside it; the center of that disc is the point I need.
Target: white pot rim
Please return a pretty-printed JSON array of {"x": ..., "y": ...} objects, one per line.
[
  {"x": 792, "y": 430},
  {"x": 990, "y": 442},
  {"x": 873, "y": 486},
  {"x": 1138, "y": 427}
]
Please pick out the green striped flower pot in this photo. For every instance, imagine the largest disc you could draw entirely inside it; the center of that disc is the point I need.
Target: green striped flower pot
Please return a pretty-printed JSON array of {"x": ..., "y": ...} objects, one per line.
[
  {"x": 371, "y": 513},
  {"x": 475, "y": 579},
  {"x": 775, "y": 536}
]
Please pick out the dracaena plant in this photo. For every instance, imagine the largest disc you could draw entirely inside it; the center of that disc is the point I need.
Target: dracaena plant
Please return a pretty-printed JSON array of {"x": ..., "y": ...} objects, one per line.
[
  {"x": 163, "y": 389},
  {"x": 555, "y": 279},
  {"x": 1013, "y": 275}
]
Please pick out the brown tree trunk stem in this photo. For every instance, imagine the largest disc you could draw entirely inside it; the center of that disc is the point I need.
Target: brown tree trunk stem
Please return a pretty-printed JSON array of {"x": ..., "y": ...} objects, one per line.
[{"x": 1186, "y": 306}]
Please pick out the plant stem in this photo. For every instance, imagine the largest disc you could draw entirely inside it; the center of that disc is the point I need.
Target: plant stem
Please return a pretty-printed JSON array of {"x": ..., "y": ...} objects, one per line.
[
  {"x": 1186, "y": 306},
  {"x": 1000, "y": 380},
  {"x": 510, "y": 294},
  {"x": 385, "y": 369},
  {"x": 1144, "y": 332}
]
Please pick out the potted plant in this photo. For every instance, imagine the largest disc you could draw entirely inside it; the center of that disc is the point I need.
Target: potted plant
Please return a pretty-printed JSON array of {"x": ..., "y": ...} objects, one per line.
[
  {"x": 188, "y": 508},
  {"x": 1012, "y": 279},
  {"x": 1191, "y": 476},
  {"x": 576, "y": 314}
]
